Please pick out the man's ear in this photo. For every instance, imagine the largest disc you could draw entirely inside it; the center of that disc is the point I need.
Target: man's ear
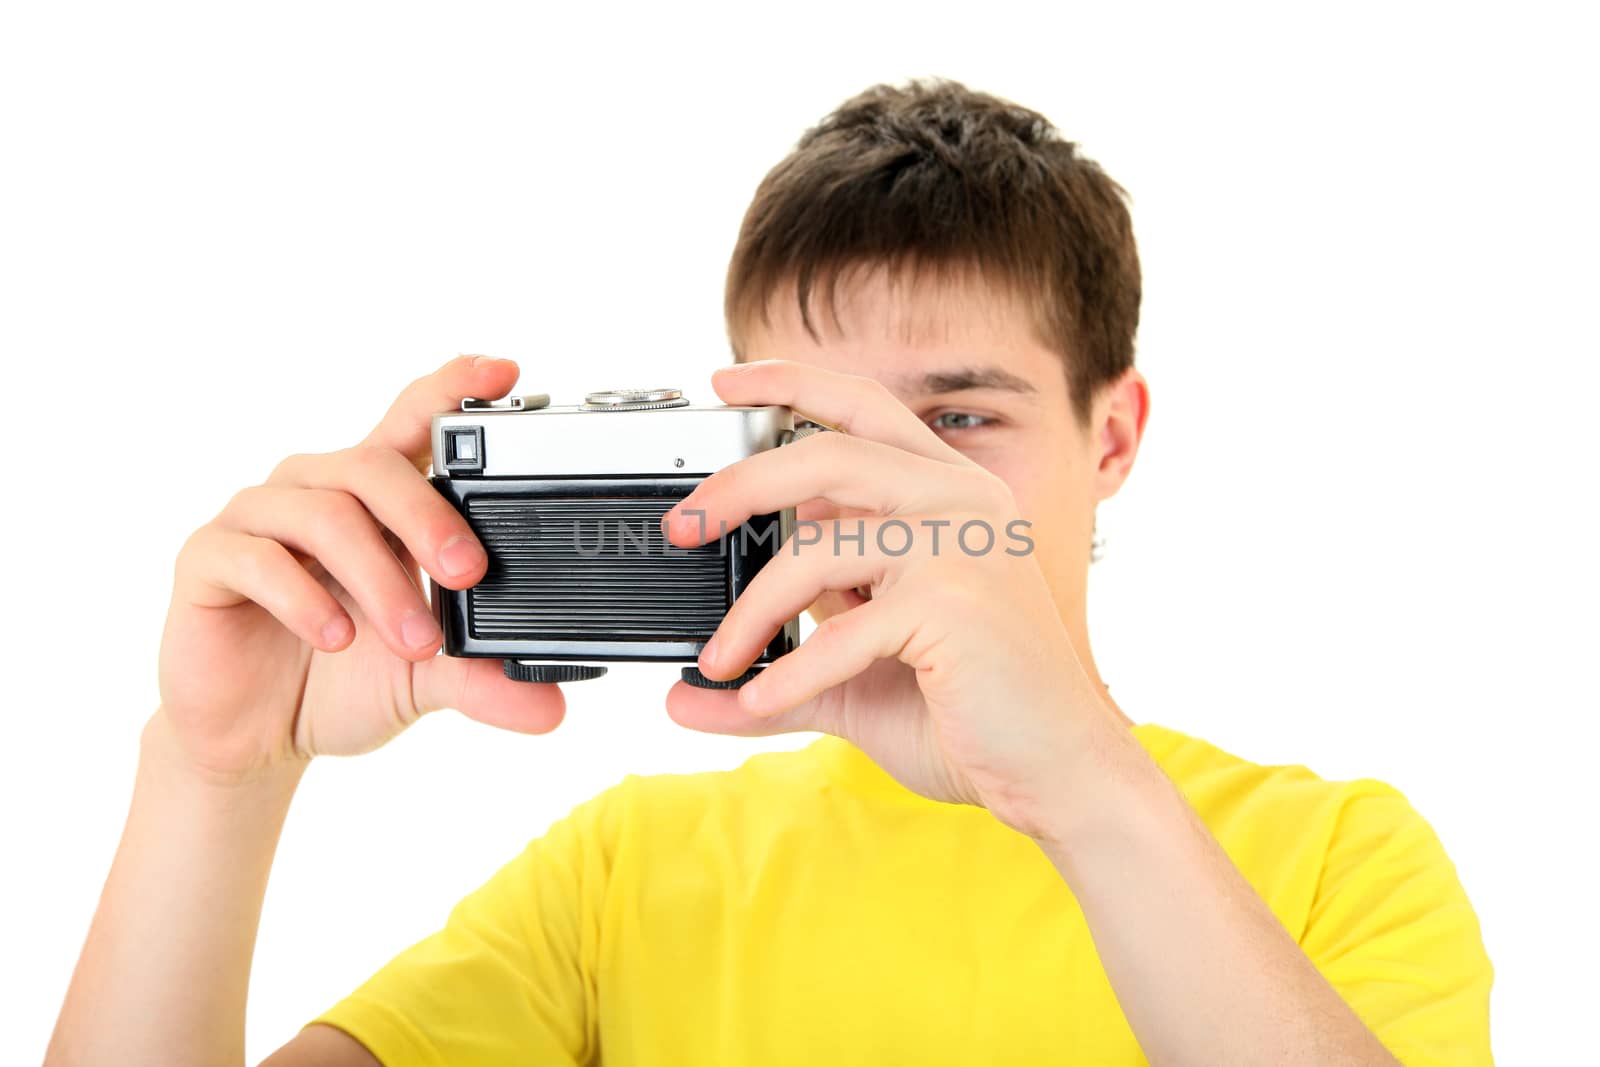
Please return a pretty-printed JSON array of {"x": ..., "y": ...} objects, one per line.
[{"x": 1120, "y": 414}]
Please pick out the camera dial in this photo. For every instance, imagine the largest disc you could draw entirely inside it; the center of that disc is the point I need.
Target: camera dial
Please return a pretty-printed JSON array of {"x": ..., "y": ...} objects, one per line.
[{"x": 634, "y": 399}]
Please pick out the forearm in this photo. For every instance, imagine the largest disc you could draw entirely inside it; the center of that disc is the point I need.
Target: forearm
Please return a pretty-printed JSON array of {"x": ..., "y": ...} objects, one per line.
[
  {"x": 1203, "y": 970},
  {"x": 164, "y": 971}
]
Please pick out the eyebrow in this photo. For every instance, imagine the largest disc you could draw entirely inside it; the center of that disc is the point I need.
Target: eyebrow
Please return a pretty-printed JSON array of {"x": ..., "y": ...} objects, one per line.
[{"x": 958, "y": 379}]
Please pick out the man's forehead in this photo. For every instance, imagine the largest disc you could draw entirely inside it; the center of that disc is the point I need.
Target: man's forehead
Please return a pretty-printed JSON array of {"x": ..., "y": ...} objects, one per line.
[{"x": 917, "y": 334}]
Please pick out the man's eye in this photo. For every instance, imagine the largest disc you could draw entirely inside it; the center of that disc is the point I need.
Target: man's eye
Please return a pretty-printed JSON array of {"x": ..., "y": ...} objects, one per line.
[{"x": 960, "y": 420}]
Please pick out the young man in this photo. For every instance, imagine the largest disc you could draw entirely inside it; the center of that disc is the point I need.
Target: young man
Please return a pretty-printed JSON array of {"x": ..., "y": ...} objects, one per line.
[{"x": 984, "y": 859}]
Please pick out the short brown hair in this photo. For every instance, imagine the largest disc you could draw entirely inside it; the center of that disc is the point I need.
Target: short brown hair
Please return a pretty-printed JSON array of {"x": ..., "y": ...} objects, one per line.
[{"x": 935, "y": 175}]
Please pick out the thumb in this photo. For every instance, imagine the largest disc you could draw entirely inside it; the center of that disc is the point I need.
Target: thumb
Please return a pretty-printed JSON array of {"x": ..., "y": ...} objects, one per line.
[{"x": 479, "y": 689}]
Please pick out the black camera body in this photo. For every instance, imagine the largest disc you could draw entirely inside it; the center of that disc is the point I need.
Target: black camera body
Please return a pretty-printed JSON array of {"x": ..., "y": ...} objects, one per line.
[{"x": 568, "y": 502}]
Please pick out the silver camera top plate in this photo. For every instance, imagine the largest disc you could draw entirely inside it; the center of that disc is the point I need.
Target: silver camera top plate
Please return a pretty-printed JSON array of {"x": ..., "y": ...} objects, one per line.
[{"x": 613, "y": 433}]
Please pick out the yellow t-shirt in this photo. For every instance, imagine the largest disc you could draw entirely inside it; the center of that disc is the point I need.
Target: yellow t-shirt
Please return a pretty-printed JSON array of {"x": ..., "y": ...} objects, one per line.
[{"x": 805, "y": 908}]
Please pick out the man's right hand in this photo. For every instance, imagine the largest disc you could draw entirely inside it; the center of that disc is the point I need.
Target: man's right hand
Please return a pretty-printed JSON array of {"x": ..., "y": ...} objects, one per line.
[{"x": 298, "y": 626}]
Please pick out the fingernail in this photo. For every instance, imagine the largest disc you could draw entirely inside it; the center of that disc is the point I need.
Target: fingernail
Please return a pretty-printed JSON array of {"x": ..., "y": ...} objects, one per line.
[
  {"x": 735, "y": 368},
  {"x": 708, "y": 654},
  {"x": 479, "y": 362},
  {"x": 335, "y": 630},
  {"x": 418, "y": 630},
  {"x": 750, "y": 693},
  {"x": 460, "y": 555}
]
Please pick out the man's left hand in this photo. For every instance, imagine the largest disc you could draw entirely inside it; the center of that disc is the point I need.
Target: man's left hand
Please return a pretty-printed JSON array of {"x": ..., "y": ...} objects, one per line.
[{"x": 949, "y": 664}]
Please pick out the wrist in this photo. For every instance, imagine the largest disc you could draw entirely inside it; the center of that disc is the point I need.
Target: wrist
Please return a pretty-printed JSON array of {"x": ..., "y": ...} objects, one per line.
[
  {"x": 1110, "y": 795},
  {"x": 164, "y": 758}
]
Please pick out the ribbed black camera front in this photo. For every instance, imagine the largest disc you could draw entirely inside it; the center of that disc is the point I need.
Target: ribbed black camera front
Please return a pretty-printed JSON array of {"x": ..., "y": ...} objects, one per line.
[{"x": 590, "y": 567}]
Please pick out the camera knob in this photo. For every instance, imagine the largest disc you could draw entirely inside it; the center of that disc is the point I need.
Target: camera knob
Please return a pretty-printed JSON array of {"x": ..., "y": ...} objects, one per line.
[
  {"x": 803, "y": 428},
  {"x": 634, "y": 399}
]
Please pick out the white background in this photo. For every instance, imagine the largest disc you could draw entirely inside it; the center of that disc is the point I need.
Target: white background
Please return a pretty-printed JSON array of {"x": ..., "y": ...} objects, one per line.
[{"x": 1360, "y": 535}]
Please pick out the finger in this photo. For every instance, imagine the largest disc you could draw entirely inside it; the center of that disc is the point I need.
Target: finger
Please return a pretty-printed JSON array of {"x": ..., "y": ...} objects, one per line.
[
  {"x": 408, "y": 427},
  {"x": 334, "y": 528},
  {"x": 717, "y": 711},
  {"x": 479, "y": 689},
  {"x": 849, "y": 472},
  {"x": 784, "y": 587},
  {"x": 219, "y": 568},
  {"x": 856, "y": 405},
  {"x": 387, "y": 485},
  {"x": 841, "y": 647}
]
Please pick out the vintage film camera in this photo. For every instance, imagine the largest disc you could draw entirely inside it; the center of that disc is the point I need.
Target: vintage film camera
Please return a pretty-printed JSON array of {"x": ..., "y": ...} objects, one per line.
[{"x": 568, "y": 502}]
